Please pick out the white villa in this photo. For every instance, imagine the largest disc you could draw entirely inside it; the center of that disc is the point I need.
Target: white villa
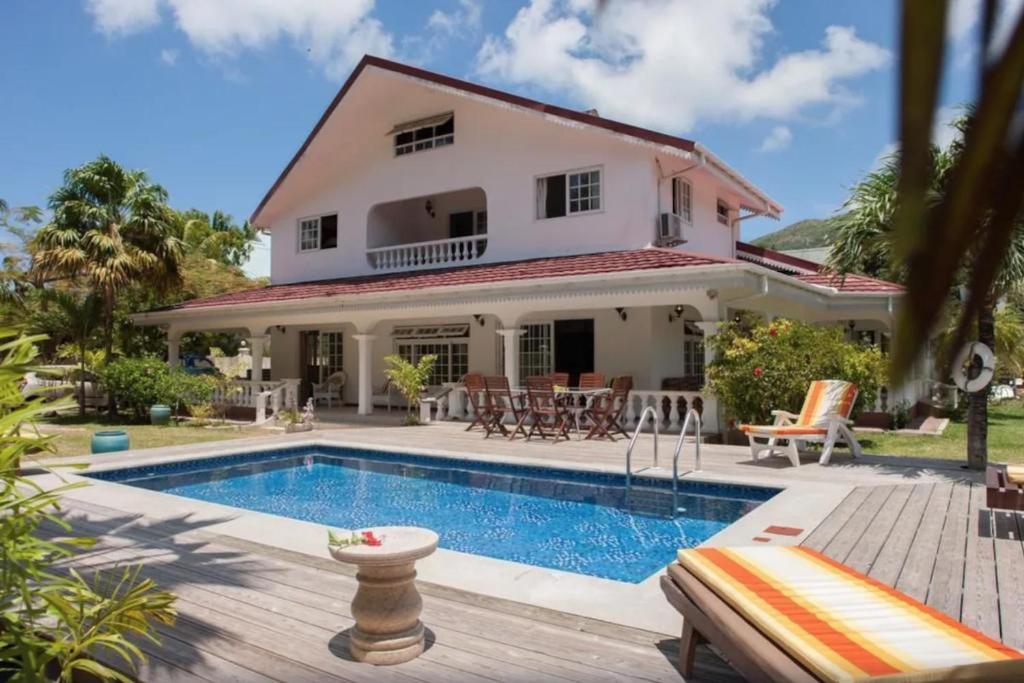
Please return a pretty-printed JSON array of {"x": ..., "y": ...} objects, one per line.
[{"x": 426, "y": 214}]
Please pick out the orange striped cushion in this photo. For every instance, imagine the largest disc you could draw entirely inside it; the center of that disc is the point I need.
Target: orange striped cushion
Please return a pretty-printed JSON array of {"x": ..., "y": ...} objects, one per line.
[
  {"x": 827, "y": 397},
  {"x": 844, "y": 626},
  {"x": 783, "y": 430}
]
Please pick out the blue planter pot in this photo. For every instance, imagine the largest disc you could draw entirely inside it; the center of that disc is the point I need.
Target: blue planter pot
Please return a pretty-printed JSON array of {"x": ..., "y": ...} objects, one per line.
[
  {"x": 159, "y": 414},
  {"x": 110, "y": 441}
]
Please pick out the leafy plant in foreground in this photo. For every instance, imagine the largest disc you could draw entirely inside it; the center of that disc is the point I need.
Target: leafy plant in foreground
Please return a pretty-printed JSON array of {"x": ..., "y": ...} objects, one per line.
[{"x": 54, "y": 621}]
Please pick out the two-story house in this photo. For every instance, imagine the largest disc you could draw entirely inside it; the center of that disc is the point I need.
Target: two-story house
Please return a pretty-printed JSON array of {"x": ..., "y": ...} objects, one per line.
[{"x": 426, "y": 214}]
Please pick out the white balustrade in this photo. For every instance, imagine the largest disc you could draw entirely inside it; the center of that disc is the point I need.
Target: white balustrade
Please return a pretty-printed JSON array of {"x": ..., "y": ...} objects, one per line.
[
  {"x": 268, "y": 398},
  {"x": 419, "y": 255}
]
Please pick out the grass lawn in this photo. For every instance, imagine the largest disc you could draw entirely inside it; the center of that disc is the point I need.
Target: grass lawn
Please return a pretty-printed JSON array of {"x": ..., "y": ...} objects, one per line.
[
  {"x": 1005, "y": 438},
  {"x": 74, "y": 434}
]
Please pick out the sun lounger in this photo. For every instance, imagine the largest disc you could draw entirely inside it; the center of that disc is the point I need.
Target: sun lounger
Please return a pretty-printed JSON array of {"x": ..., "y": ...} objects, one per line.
[
  {"x": 824, "y": 418},
  {"x": 792, "y": 614}
]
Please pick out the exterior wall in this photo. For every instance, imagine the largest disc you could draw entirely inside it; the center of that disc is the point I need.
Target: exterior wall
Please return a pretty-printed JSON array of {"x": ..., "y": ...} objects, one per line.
[
  {"x": 408, "y": 221},
  {"x": 499, "y": 150}
]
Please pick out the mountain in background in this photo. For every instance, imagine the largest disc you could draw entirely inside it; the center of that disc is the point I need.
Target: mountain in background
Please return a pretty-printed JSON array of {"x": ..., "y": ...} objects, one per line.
[{"x": 806, "y": 234}]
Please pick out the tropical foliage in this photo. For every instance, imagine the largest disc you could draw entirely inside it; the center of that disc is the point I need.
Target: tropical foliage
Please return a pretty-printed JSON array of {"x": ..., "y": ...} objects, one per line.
[
  {"x": 139, "y": 383},
  {"x": 111, "y": 227},
  {"x": 770, "y": 366},
  {"x": 410, "y": 379},
  {"x": 77, "y": 318},
  {"x": 54, "y": 621}
]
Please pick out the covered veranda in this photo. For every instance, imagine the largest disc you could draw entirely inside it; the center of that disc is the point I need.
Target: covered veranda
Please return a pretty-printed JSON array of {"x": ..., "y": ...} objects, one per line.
[{"x": 651, "y": 323}]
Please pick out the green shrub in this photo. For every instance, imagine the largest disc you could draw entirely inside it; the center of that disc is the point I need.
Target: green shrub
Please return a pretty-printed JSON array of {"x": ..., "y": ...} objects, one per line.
[
  {"x": 770, "y": 366},
  {"x": 138, "y": 383}
]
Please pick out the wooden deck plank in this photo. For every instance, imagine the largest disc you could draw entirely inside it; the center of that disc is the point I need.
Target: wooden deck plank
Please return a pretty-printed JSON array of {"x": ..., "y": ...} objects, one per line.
[
  {"x": 830, "y": 526},
  {"x": 980, "y": 607},
  {"x": 1009, "y": 550},
  {"x": 580, "y": 656},
  {"x": 892, "y": 555},
  {"x": 945, "y": 592},
  {"x": 916, "y": 575},
  {"x": 876, "y": 534},
  {"x": 855, "y": 527}
]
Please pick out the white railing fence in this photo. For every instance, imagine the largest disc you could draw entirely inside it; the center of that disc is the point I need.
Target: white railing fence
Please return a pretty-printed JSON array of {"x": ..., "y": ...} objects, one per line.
[
  {"x": 670, "y": 405},
  {"x": 431, "y": 254},
  {"x": 268, "y": 398}
]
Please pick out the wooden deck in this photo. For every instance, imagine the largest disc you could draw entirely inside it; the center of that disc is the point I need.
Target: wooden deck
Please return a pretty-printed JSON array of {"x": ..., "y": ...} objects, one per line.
[{"x": 251, "y": 612}]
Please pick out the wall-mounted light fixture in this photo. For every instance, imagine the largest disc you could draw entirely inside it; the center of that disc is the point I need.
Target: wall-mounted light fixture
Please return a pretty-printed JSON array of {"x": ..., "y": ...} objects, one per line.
[
  {"x": 429, "y": 207},
  {"x": 676, "y": 313},
  {"x": 622, "y": 313},
  {"x": 479, "y": 318},
  {"x": 280, "y": 328}
]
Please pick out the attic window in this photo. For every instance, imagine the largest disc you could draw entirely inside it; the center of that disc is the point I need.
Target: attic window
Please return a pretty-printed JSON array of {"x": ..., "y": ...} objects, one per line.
[{"x": 424, "y": 134}]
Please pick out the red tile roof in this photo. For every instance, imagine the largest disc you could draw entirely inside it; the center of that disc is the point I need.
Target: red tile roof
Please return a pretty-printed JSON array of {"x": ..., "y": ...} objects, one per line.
[
  {"x": 476, "y": 89},
  {"x": 556, "y": 266},
  {"x": 856, "y": 284}
]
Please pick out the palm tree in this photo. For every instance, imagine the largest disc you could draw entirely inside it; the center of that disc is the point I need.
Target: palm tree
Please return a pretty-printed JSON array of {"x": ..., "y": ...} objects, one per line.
[
  {"x": 111, "y": 227},
  {"x": 216, "y": 236},
  {"x": 866, "y": 241},
  {"x": 75, "y": 317}
]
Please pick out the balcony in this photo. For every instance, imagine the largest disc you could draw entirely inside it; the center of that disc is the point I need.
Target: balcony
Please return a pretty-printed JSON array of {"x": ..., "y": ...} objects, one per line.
[
  {"x": 432, "y": 254},
  {"x": 435, "y": 231}
]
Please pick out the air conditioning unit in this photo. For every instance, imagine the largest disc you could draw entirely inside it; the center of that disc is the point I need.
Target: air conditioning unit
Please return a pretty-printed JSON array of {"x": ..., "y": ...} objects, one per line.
[{"x": 670, "y": 230}]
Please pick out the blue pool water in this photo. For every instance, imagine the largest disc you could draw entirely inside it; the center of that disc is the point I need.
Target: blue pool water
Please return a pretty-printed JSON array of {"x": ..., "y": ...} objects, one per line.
[{"x": 560, "y": 519}]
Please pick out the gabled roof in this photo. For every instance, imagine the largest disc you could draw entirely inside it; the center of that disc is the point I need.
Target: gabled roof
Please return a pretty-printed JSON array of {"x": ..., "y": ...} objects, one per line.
[
  {"x": 610, "y": 125},
  {"x": 531, "y": 269}
]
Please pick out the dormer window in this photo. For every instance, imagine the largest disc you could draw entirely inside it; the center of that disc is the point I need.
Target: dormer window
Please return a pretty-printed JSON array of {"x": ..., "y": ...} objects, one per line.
[
  {"x": 723, "y": 212},
  {"x": 424, "y": 134}
]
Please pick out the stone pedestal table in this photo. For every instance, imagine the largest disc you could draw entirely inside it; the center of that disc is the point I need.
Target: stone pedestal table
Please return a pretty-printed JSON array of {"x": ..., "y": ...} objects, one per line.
[{"x": 387, "y": 605}]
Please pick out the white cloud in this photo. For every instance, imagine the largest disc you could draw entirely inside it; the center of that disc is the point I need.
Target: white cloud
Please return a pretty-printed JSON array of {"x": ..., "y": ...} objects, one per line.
[
  {"x": 169, "y": 57},
  {"x": 333, "y": 34},
  {"x": 122, "y": 17},
  {"x": 962, "y": 27},
  {"x": 672, "y": 63},
  {"x": 466, "y": 20},
  {"x": 779, "y": 138}
]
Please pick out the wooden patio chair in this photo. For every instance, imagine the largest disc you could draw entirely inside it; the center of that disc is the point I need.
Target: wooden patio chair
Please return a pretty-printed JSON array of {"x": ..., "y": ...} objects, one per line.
[
  {"x": 605, "y": 413},
  {"x": 740, "y": 600},
  {"x": 559, "y": 379},
  {"x": 592, "y": 380},
  {"x": 476, "y": 396},
  {"x": 824, "y": 418},
  {"x": 546, "y": 411},
  {"x": 503, "y": 402}
]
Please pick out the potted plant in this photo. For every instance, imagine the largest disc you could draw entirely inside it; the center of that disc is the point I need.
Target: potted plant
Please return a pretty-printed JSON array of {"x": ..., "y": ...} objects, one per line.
[
  {"x": 410, "y": 380},
  {"x": 294, "y": 421}
]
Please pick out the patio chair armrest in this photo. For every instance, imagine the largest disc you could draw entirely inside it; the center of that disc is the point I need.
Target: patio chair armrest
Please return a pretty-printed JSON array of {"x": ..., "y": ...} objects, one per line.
[
  {"x": 839, "y": 418},
  {"x": 784, "y": 415}
]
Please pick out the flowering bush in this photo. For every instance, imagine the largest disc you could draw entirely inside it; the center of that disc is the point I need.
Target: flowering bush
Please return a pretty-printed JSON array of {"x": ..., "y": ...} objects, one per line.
[{"x": 769, "y": 367}]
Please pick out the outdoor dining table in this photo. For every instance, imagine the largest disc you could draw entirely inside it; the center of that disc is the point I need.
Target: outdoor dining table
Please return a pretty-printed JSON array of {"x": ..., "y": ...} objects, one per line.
[{"x": 572, "y": 395}]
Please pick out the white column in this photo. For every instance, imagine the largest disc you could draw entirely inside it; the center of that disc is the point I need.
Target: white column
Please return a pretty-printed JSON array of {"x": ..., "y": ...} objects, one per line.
[
  {"x": 365, "y": 372},
  {"x": 256, "y": 349},
  {"x": 510, "y": 343},
  {"x": 173, "y": 352},
  {"x": 711, "y": 418}
]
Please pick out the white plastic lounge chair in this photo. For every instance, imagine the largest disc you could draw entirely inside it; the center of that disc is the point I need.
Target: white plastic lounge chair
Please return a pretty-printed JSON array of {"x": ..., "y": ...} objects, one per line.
[
  {"x": 330, "y": 389},
  {"x": 825, "y": 418}
]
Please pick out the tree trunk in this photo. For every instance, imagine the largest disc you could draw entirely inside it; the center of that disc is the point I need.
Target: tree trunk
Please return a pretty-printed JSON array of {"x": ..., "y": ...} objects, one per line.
[
  {"x": 108, "y": 327},
  {"x": 977, "y": 401},
  {"x": 81, "y": 380}
]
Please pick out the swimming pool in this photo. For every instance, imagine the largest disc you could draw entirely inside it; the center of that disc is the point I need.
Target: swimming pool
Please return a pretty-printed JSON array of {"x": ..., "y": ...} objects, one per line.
[{"x": 555, "y": 518}]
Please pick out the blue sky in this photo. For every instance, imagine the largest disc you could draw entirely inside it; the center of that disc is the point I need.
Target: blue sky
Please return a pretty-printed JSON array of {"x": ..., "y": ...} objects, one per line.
[{"x": 212, "y": 97}]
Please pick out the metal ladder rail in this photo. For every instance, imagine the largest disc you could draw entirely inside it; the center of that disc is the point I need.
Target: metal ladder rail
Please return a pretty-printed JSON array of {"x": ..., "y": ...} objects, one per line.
[
  {"x": 695, "y": 416},
  {"x": 632, "y": 442}
]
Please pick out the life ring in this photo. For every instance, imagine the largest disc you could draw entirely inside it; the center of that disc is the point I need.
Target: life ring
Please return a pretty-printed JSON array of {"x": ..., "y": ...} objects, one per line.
[{"x": 965, "y": 360}]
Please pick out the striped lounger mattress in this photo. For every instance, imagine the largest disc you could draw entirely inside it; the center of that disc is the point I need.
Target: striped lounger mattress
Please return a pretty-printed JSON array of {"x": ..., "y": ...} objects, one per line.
[{"x": 842, "y": 625}]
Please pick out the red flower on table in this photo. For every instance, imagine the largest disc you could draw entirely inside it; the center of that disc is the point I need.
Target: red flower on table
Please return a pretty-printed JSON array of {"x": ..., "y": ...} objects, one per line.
[
  {"x": 758, "y": 372},
  {"x": 370, "y": 539}
]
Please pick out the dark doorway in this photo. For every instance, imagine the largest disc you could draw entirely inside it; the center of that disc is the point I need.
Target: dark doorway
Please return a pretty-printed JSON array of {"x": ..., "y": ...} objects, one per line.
[
  {"x": 574, "y": 348},
  {"x": 460, "y": 224}
]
